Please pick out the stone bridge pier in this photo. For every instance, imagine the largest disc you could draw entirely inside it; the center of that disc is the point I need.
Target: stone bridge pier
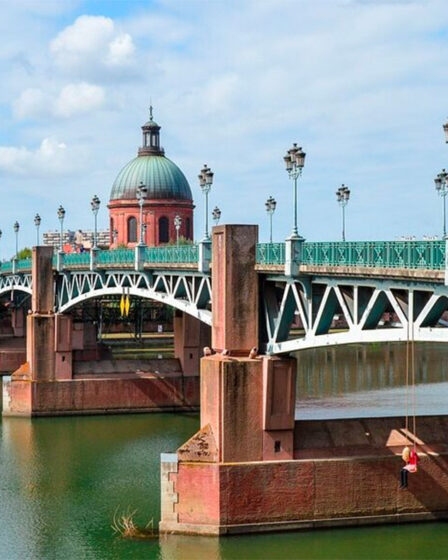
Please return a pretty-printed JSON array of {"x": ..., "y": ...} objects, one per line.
[
  {"x": 67, "y": 372},
  {"x": 252, "y": 468}
]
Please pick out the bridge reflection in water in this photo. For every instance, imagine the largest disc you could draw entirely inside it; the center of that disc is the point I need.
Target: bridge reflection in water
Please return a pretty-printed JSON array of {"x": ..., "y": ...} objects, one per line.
[{"x": 369, "y": 381}]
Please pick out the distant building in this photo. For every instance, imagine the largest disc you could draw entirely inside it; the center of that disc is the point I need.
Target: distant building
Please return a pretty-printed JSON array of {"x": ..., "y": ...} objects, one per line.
[
  {"x": 73, "y": 239},
  {"x": 168, "y": 194}
]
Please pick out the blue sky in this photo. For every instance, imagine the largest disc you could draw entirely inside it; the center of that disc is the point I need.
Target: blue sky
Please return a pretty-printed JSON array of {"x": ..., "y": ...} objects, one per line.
[{"x": 361, "y": 85}]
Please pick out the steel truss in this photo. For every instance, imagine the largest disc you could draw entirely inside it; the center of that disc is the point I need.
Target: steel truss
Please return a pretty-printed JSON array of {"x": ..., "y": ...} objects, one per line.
[
  {"x": 187, "y": 291},
  {"x": 360, "y": 303},
  {"x": 16, "y": 282}
]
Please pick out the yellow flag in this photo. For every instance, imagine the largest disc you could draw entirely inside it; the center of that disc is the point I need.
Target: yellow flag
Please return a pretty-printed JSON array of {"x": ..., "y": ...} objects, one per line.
[
  {"x": 128, "y": 305},
  {"x": 122, "y": 305}
]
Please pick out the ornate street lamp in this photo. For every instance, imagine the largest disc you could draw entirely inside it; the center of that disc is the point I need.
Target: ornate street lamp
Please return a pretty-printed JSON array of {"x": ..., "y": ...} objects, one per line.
[
  {"x": 216, "y": 215},
  {"x": 343, "y": 196},
  {"x": 141, "y": 194},
  {"x": 205, "y": 182},
  {"x": 37, "y": 221},
  {"x": 441, "y": 183},
  {"x": 445, "y": 129},
  {"x": 95, "y": 204},
  {"x": 271, "y": 205},
  {"x": 177, "y": 224},
  {"x": 61, "y": 216},
  {"x": 16, "y": 231},
  {"x": 295, "y": 161}
]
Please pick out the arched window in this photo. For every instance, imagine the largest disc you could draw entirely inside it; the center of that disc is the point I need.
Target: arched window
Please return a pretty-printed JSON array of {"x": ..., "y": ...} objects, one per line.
[
  {"x": 111, "y": 231},
  {"x": 164, "y": 230},
  {"x": 188, "y": 228},
  {"x": 132, "y": 230}
]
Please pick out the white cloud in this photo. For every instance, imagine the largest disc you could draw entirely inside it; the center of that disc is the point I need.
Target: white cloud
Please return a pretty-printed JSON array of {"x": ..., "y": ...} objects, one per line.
[
  {"x": 72, "y": 99},
  {"x": 92, "y": 40},
  {"x": 361, "y": 85},
  {"x": 120, "y": 50},
  {"x": 31, "y": 102},
  {"x": 78, "y": 98},
  {"x": 49, "y": 158}
]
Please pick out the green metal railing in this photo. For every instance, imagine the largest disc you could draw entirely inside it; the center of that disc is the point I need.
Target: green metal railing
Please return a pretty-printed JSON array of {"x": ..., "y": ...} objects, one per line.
[
  {"x": 386, "y": 254},
  {"x": 24, "y": 264},
  {"x": 371, "y": 254},
  {"x": 76, "y": 259},
  {"x": 270, "y": 253},
  {"x": 116, "y": 256},
  {"x": 6, "y": 266},
  {"x": 184, "y": 254}
]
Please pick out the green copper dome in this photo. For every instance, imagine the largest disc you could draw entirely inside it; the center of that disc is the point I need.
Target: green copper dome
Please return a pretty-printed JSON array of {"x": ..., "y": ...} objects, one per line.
[{"x": 160, "y": 175}]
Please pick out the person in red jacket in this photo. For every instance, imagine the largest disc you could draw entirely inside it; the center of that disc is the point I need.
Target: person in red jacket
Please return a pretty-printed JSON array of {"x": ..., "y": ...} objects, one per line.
[{"x": 410, "y": 458}]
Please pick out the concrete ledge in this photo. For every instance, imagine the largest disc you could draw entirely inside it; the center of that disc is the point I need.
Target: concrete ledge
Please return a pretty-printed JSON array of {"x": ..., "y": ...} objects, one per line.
[
  {"x": 102, "y": 396},
  {"x": 217, "y": 530}
]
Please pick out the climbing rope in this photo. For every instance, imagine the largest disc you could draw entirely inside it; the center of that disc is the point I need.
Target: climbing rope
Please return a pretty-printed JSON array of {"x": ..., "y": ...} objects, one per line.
[
  {"x": 410, "y": 368},
  {"x": 414, "y": 399}
]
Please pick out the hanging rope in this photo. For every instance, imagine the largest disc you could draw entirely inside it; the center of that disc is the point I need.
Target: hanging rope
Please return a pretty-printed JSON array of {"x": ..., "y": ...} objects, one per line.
[
  {"x": 414, "y": 400},
  {"x": 407, "y": 386}
]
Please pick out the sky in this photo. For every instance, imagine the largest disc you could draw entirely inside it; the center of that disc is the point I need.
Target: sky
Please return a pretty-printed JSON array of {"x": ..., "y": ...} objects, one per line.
[{"x": 361, "y": 85}]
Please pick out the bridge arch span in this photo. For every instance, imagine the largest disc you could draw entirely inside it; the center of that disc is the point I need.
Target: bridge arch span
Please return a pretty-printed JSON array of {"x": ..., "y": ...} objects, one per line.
[
  {"x": 16, "y": 283},
  {"x": 187, "y": 292}
]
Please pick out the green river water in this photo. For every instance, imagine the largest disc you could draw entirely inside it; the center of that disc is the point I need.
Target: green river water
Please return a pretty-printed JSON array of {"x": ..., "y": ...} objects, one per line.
[{"x": 62, "y": 479}]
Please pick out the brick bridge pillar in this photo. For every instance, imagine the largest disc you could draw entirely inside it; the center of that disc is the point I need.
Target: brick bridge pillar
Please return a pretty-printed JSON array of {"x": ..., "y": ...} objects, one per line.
[
  {"x": 48, "y": 344},
  {"x": 247, "y": 402},
  {"x": 190, "y": 337}
]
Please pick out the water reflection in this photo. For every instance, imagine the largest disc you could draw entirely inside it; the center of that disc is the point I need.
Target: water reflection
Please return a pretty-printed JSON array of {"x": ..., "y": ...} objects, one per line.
[
  {"x": 369, "y": 380},
  {"x": 62, "y": 478}
]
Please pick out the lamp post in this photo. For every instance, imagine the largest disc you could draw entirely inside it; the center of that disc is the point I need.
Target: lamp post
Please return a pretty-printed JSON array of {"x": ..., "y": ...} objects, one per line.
[
  {"x": 95, "y": 204},
  {"x": 343, "y": 196},
  {"x": 295, "y": 161},
  {"x": 141, "y": 194},
  {"x": 16, "y": 231},
  {"x": 216, "y": 215},
  {"x": 61, "y": 216},
  {"x": 205, "y": 182},
  {"x": 445, "y": 129},
  {"x": 177, "y": 224},
  {"x": 441, "y": 183},
  {"x": 37, "y": 221},
  {"x": 270, "y": 204}
]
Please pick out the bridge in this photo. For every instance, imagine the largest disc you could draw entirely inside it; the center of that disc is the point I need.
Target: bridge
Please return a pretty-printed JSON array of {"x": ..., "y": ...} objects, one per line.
[
  {"x": 356, "y": 281},
  {"x": 251, "y": 467}
]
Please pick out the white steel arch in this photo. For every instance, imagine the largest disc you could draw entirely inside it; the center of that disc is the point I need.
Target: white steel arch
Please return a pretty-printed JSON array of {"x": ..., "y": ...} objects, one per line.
[
  {"x": 188, "y": 292},
  {"x": 16, "y": 282},
  {"x": 359, "y": 304}
]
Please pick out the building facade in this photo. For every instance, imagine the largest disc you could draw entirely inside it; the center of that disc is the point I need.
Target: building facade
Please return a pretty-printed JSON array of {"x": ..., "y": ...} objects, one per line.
[{"x": 167, "y": 195}]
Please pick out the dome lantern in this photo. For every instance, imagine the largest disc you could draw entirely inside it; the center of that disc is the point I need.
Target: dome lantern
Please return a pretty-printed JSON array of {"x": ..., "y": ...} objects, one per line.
[
  {"x": 168, "y": 195},
  {"x": 151, "y": 138}
]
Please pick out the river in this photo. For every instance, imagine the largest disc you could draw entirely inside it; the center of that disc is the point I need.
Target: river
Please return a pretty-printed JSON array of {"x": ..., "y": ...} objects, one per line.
[{"x": 62, "y": 479}]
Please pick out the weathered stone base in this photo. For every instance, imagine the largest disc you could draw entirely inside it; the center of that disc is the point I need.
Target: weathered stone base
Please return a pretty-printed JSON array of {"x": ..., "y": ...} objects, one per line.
[
  {"x": 12, "y": 354},
  {"x": 221, "y": 530},
  {"x": 117, "y": 395},
  {"x": 353, "y": 483}
]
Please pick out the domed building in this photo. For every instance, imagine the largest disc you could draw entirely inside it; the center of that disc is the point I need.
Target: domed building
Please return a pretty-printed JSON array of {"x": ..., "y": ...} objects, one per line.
[{"x": 167, "y": 194}]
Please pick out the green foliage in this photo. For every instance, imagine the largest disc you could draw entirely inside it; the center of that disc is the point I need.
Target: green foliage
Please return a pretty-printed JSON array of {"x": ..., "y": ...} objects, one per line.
[
  {"x": 24, "y": 253},
  {"x": 182, "y": 241}
]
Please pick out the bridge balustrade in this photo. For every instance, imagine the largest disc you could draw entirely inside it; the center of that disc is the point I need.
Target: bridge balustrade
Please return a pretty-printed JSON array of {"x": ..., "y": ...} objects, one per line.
[
  {"x": 115, "y": 256},
  {"x": 183, "y": 254},
  {"x": 428, "y": 255},
  {"x": 76, "y": 259},
  {"x": 270, "y": 253},
  {"x": 382, "y": 254}
]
